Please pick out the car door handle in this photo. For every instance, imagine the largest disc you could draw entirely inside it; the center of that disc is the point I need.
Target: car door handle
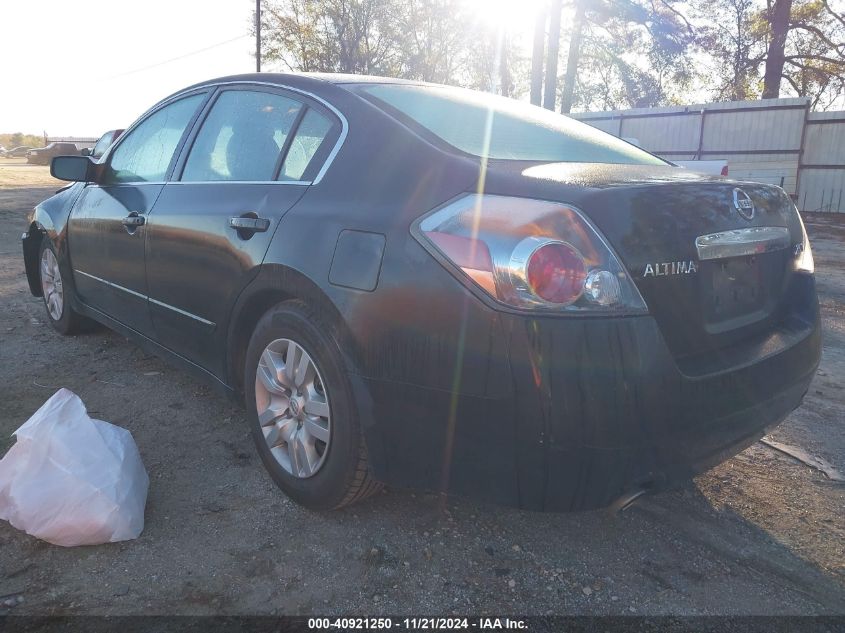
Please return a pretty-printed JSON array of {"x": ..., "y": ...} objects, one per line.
[
  {"x": 254, "y": 225},
  {"x": 133, "y": 220}
]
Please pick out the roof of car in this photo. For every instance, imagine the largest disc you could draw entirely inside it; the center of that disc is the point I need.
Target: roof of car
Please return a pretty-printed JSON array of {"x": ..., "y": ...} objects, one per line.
[
  {"x": 345, "y": 78},
  {"x": 316, "y": 83},
  {"x": 304, "y": 80}
]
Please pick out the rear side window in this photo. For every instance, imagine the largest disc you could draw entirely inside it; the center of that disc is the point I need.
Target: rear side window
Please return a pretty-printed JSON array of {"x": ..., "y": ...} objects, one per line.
[
  {"x": 309, "y": 138},
  {"x": 501, "y": 128},
  {"x": 145, "y": 153},
  {"x": 242, "y": 137}
]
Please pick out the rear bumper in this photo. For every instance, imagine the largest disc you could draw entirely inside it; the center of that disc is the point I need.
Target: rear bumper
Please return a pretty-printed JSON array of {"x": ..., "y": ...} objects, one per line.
[
  {"x": 606, "y": 474},
  {"x": 596, "y": 408}
]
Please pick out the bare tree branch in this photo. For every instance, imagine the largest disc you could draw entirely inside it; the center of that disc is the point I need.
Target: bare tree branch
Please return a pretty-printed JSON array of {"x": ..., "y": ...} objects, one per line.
[
  {"x": 837, "y": 16},
  {"x": 838, "y": 48}
]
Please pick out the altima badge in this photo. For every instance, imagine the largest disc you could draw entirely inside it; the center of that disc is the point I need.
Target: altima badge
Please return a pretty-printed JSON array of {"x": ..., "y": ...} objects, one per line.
[
  {"x": 666, "y": 269},
  {"x": 743, "y": 204}
]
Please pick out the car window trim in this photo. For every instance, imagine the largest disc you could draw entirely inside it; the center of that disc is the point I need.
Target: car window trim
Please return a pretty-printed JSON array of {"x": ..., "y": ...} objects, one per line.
[
  {"x": 332, "y": 110},
  {"x": 193, "y": 133},
  {"x": 105, "y": 161},
  {"x": 294, "y": 129}
]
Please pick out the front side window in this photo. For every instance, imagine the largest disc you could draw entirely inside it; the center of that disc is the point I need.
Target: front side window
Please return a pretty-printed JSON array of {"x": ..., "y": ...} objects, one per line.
[
  {"x": 242, "y": 137},
  {"x": 501, "y": 128},
  {"x": 145, "y": 154}
]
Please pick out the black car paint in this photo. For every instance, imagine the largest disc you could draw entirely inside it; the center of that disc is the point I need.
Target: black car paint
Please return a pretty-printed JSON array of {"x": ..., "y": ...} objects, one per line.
[
  {"x": 103, "y": 249},
  {"x": 455, "y": 392}
]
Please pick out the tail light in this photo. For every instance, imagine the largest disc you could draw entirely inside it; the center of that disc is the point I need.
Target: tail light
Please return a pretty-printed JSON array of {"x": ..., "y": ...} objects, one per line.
[
  {"x": 555, "y": 272},
  {"x": 530, "y": 254},
  {"x": 804, "y": 261}
]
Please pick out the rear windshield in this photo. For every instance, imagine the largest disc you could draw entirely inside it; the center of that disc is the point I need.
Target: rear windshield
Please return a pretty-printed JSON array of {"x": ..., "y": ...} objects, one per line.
[{"x": 517, "y": 130}]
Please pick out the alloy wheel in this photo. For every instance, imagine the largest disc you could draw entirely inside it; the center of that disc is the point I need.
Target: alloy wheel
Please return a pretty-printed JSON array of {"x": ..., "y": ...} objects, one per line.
[{"x": 51, "y": 285}]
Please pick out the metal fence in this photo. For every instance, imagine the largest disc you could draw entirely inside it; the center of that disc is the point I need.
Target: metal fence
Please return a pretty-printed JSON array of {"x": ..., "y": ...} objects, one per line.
[
  {"x": 777, "y": 141},
  {"x": 80, "y": 141}
]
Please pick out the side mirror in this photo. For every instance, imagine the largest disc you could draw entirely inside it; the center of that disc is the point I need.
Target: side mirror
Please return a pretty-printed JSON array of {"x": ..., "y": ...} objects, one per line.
[
  {"x": 86, "y": 151},
  {"x": 73, "y": 168}
]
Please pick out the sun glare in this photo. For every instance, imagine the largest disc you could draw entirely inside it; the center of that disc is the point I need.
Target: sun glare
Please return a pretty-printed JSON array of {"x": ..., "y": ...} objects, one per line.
[{"x": 508, "y": 14}]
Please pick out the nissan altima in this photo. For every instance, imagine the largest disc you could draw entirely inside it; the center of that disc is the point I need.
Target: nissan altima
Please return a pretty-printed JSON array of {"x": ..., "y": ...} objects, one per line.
[{"x": 429, "y": 287}]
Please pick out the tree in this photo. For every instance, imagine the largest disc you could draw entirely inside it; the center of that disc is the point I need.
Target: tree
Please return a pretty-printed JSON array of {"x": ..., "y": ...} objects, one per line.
[
  {"x": 350, "y": 36},
  {"x": 727, "y": 36},
  {"x": 617, "y": 53},
  {"x": 574, "y": 55},
  {"x": 17, "y": 139},
  {"x": 551, "y": 59},
  {"x": 429, "y": 40},
  {"x": 629, "y": 53},
  {"x": 778, "y": 18},
  {"x": 537, "y": 56},
  {"x": 799, "y": 44},
  {"x": 813, "y": 66},
  {"x": 434, "y": 40},
  {"x": 814, "y": 54}
]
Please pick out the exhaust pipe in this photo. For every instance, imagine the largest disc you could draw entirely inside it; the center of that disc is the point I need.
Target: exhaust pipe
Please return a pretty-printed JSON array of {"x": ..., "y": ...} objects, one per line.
[{"x": 627, "y": 500}]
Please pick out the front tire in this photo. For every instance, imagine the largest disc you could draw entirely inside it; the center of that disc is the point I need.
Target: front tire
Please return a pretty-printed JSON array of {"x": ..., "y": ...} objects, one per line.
[
  {"x": 61, "y": 316},
  {"x": 301, "y": 412}
]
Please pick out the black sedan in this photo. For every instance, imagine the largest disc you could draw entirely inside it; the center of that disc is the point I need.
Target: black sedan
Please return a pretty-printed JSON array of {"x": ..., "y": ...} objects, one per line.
[{"x": 431, "y": 287}]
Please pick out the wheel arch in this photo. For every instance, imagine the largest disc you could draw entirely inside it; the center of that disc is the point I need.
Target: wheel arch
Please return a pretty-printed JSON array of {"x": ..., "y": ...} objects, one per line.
[
  {"x": 274, "y": 284},
  {"x": 48, "y": 219}
]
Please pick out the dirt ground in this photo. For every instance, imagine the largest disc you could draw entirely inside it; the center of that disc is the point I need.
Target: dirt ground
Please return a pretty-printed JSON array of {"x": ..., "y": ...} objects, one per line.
[
  {"x": 760, "y": 534},
  {"x": 15, "y": 173}
]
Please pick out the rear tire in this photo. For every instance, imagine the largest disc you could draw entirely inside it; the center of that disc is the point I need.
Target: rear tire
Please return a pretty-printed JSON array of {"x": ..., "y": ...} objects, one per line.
[
  {"x": 301, "y": 412},
  {"x": 62, "y": 317}
]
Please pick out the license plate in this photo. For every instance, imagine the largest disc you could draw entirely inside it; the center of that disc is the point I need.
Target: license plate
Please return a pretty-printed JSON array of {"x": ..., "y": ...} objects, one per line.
[{"x": 736, "y": 288}]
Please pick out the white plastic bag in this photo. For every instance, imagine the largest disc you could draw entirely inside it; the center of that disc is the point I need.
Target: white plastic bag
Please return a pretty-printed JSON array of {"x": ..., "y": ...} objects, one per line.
[{"x": 71, "y": 480}]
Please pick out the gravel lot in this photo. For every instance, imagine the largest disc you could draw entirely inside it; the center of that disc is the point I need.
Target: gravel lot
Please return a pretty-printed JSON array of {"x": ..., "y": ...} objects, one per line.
[{"x": 761, "y": 534}]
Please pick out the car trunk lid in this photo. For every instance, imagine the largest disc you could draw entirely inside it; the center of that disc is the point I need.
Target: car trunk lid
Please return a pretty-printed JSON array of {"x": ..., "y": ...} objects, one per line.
[{"x": 711, "y": 257}]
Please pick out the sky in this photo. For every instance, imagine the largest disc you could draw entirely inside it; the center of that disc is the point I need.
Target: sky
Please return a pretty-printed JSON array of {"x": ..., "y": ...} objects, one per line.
[{"x": 81, "y": 68}]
